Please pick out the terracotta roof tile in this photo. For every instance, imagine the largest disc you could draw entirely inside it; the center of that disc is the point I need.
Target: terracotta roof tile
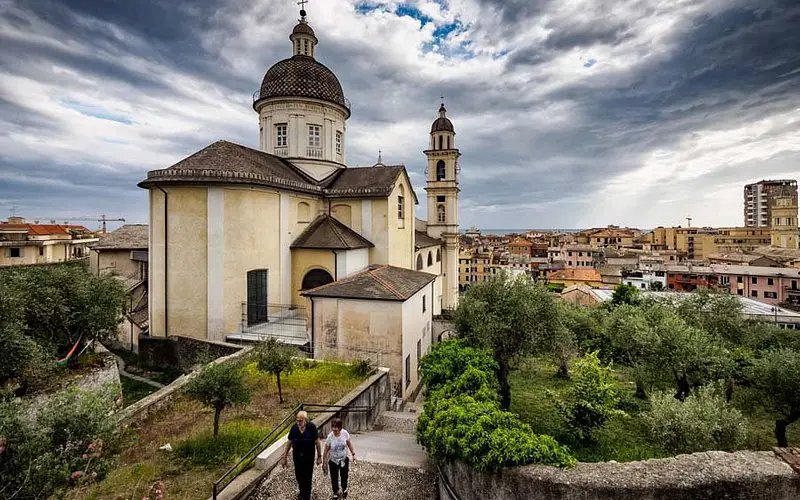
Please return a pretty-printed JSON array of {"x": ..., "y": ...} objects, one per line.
[
  {"x": 575, "y": 275},
  {"x": 376, "y": 283},
  {"x": 325, "y": 232}
]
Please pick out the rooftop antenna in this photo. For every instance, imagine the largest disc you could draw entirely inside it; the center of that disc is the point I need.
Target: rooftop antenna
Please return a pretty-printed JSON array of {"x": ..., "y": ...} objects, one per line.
[
  {"x": 380, "y": 159},
  {"x": 689, "y": 221},
  {"x": 14, "y": 209}
]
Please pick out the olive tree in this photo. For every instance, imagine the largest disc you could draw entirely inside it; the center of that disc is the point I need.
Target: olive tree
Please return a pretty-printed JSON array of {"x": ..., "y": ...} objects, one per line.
[
  {"x": 510, "y": 317},
  {"x": 275, "y": 358},
  {"x": 777, "y": 373},
  {"x": 218, "y": 386}
]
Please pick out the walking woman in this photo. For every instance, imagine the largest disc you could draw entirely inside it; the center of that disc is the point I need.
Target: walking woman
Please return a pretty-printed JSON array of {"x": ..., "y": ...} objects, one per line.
[
  {"x": 335, "y": 457},
  {"x": 303, "y": 442}
]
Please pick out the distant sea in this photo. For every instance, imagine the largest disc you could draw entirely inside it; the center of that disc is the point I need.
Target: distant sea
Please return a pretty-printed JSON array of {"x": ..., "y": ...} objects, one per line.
[{"x": 503, "y": 232}]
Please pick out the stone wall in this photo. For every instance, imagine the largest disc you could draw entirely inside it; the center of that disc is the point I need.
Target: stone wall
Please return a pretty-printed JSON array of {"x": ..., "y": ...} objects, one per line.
[
  {"x": 141, "y": 409},
  {"x": 744, "y": 475},
  {"x": 180, "y": 352}
]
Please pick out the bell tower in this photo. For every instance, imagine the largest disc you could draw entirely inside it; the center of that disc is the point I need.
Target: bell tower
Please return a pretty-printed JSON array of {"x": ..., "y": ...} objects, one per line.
[{"x": 442, "y": 188}]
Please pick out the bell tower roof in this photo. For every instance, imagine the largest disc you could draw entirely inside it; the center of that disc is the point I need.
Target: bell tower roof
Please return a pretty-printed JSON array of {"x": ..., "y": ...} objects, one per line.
[{"x": 442, "y": 124}]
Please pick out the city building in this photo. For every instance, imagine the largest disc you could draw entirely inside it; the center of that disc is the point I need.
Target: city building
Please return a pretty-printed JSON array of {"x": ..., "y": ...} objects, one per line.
[
  {"x": 22, "y": 243},
  {"x": 784, "y": 218},
  {"x": 743, "y": 259},
  {"x": 697, "y": 243},
  {"x": 771, "y": 285},
  {"x": 569, "y": 277},
  {"x": 577, "y": 255},
  {"x": 759, "y": 199},
  {"x": 247, "y": 244},
  {"x": 751, "y": 309},
  {"x": 123, "y": 253},
  {"x": 520, "y": 246},
  {"x": 687, "y": 278}
]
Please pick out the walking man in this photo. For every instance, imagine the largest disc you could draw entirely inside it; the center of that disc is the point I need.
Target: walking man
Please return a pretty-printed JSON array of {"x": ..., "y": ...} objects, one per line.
[{"x": 304, "y": 442}]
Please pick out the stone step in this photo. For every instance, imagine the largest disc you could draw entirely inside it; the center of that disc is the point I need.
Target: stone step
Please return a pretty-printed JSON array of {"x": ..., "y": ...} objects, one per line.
[{"x": 397, "y": 421}]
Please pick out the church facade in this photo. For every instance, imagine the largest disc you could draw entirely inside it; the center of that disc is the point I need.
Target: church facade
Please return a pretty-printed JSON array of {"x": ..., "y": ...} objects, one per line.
[{"x": 242, "y": 239}]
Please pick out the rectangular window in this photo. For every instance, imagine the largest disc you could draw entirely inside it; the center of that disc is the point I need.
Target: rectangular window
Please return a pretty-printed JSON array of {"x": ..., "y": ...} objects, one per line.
[
  {"x": 770, "y": 281},
  {"x": 419, "y": 352},
  {"x": 739, "y": 279},
  {"x": 314, "y": 136},
  {"x": 754, "y": 293},
  {"x": 440, "y": 199},
  {"x": 281, "y": 135},
  {"x": 15, "y": 252},
  {"x": 740, "y": 291},
  {"x": 423, "y": 304},
  {"x": 338, "y": 142},
  {"x": 401, "y": 204},
  {"x": 770, "y": 295},
  {"x": 41, "y": 251},
  {"x": 408, "y": 370},
  {"x": 754, "y": 280}
]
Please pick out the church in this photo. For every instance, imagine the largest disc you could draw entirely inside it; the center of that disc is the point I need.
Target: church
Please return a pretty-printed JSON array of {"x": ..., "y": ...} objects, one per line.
[{"x": 288, "y": 241}]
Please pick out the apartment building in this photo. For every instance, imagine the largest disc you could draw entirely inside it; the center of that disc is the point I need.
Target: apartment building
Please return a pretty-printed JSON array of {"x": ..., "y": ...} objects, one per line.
[
  {"x": 771, "y": 285},
  {"x": 687, "y": 278},
  {"x": 473, "y": 267},
  {"x": 759, "y": 198},
  {"x": 698, "y": 243},
  {"x": 22, "y": 243}
]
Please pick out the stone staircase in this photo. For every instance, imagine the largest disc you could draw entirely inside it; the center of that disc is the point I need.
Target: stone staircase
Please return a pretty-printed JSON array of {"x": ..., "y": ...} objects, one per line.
[{"x": 391, "y": 466}]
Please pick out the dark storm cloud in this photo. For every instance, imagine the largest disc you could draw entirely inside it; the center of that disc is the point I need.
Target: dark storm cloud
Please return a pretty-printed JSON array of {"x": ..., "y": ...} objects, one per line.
[{"x": 531, "y": 136}]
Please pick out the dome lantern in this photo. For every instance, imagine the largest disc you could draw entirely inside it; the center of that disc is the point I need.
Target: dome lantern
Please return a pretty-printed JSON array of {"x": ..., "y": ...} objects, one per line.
[{"x": 304, "y": 41}]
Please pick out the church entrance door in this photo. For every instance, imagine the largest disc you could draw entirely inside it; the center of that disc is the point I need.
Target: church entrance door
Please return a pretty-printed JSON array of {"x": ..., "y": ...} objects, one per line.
[{"x": 257, "y": 309}]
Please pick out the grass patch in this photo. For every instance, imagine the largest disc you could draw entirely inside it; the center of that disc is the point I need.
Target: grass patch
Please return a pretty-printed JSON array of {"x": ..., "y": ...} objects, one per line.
[
  {"x": 133, "y": 390},
  {"x": 621, "y": 439},
  {"x": 196, "y": 462},
  {"x": 233, "y": 441}
]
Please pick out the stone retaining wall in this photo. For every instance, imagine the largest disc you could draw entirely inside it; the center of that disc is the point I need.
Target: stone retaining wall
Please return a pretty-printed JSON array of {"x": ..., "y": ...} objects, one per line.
[
  {"x": 141, "y": 409},
  {"x": 180, "y": 352},
  {"x": 744, "y": 475}
]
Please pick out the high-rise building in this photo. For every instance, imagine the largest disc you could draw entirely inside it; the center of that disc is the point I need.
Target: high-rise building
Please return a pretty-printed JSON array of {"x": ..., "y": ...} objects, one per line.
[{"x": 759, "y": 199}]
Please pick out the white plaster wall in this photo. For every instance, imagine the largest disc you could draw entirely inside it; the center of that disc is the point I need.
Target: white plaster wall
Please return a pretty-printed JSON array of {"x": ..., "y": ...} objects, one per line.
[
  {"x": 416, "y": 327},
  {"x": 298, "y": 114},
  {"x": 351, "y": 261},
  {"x": 216, "y": 262}
]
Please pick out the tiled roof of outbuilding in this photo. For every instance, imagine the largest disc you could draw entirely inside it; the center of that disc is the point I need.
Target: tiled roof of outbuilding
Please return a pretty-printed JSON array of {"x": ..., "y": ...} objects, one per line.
[
  {"x": 127, "y": 237},
  {"x": 379, "y": 282},
  {"x": 422, "y": 240}
]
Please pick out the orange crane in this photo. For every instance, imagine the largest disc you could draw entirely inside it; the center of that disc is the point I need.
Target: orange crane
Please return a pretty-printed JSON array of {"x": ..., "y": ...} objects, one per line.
[{"x": 102, "y": 219}]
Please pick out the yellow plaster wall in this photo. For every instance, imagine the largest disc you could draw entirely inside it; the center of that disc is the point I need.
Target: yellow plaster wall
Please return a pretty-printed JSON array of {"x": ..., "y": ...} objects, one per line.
[
  {"x": 113, "y": 261},
  {"x": 187, "y": 261},
  {"x": 401, "y": 235},
  {"x": 304, "y": 260},
  {"x": 349, "y": 329},
  {"x": 251, "y": 230},
  {"x": 380, "y": 232}
]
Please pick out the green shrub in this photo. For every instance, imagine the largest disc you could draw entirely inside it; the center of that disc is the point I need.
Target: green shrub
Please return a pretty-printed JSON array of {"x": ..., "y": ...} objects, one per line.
[
  {"x": 703, "y": 421},
  {"x": 591, "y": 399},
  {"x": 25, "y": 362},
  {"x": 482, "y": 435},
  {"x": 462, "y": 418},
  {"x": 272, "y": 356},
  {"x": 72, "y": 441},
  {"x": 362, "y": 367},
  {"x": 449, "y": 359},
  {"x": 233, "y": 442}
]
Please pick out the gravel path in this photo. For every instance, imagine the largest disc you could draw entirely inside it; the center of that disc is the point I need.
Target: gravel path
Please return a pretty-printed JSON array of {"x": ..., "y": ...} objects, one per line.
[{"x": 368, "y": 481}]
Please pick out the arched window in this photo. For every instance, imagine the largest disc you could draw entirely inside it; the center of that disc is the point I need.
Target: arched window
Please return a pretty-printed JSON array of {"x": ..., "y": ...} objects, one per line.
[
  {"x": 440, "y": 213},
  {"x": 430, "y": 258},
  {"x": 440, "y": 170},
  {"x": 440, "y": 142},
  {"x": 448, "y": 142},
  {"x": 315, "y": 278},
  {"x": 419, "y": 262},
  {"x": 401, "y": 203},
  {"x": 438, "y": 255},
  {"x": 303, "y": 212}
]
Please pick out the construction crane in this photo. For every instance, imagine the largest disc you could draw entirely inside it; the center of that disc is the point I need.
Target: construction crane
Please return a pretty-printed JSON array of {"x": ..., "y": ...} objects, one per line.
[{"x": 102, "y": 219}]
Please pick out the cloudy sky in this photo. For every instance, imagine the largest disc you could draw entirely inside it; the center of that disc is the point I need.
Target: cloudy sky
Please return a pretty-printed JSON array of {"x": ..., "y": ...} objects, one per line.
[{"x": 569, "y": 113}]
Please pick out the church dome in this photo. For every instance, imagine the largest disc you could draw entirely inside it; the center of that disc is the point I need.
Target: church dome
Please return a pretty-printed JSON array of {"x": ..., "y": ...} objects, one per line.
[
  {"x": 442, "y": 124},
  {"x": 303, "y": 76},
  {"x": 304, "y": 29}
]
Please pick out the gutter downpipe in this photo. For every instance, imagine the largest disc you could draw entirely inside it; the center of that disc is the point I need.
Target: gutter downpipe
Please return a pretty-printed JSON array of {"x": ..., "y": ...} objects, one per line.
[
  {"x": 312, "y": 328},
  {"x": 166, "y": 260}
]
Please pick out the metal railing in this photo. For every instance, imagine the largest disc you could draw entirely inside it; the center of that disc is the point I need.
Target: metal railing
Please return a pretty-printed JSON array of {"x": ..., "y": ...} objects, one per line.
[{"x": 248, "y": 458}]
